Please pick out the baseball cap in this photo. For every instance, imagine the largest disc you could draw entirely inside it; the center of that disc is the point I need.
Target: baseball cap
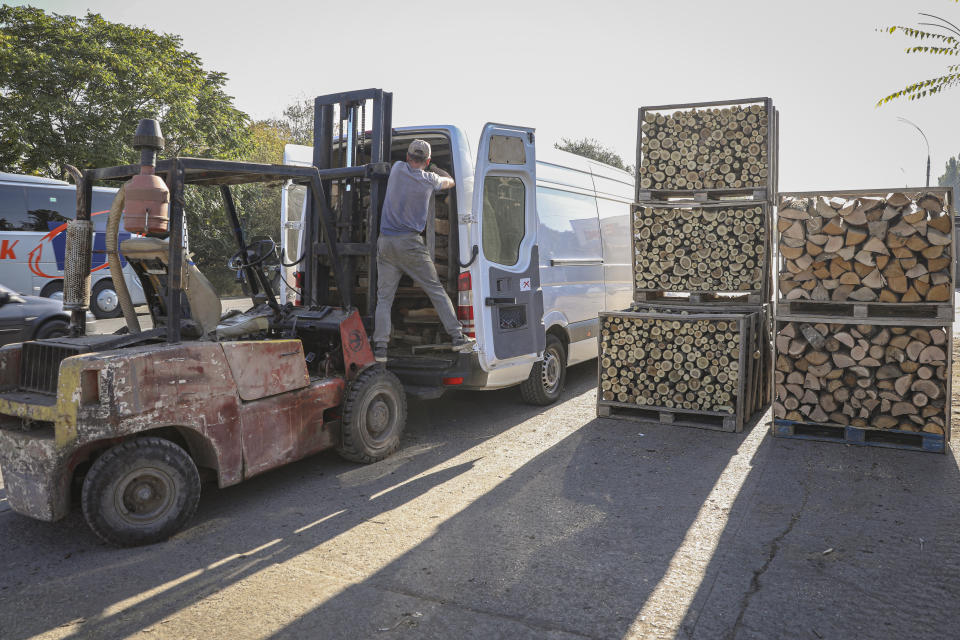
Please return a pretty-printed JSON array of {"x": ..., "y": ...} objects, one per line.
[{"x": 419, "y": 149}]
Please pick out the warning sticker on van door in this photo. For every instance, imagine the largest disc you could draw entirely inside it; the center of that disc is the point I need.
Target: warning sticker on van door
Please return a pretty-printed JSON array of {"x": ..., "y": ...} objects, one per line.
[{"x": 524, "y": 284}]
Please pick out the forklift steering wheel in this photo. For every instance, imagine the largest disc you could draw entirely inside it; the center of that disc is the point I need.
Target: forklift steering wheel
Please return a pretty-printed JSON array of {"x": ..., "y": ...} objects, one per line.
[{"x": 256, "y": 253}]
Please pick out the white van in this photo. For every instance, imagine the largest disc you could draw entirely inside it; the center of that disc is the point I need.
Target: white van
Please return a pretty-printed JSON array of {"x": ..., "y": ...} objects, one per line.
[
  {"x": 531, "y": 245},
  {"x": 33, "y": 221}
]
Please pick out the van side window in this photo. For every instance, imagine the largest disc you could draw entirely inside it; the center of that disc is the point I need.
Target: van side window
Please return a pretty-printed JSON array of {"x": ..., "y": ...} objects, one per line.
[
  {"x": 568, "y": 225},
  {"x": 503, "y": 221},
  {"x": 13, "y": 208},
  {"x": 46, "y": 206}
]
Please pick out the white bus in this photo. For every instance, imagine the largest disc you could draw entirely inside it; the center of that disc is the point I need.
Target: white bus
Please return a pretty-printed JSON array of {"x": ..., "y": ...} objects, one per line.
[
  {"x": 33, "y": 221},
  {"x": 541, "y": 220}
]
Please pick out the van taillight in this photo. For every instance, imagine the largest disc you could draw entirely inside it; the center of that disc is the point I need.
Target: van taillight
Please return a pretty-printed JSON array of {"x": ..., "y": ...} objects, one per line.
[
  {"x": 465, "y": 304},
  {"x": 298, "y": 281}
]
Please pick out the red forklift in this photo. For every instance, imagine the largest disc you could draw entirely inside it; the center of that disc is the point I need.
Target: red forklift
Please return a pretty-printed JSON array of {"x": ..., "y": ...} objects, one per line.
[{"x": 135, "y": 419}]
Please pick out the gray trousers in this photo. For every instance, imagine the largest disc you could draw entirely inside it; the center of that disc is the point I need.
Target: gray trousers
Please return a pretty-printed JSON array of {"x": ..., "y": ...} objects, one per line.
[{"x": 406, "y": 254}]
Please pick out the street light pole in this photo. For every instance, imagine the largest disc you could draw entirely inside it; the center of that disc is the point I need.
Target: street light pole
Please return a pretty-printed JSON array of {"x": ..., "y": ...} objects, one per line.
[{"x": 925, "y": 140}]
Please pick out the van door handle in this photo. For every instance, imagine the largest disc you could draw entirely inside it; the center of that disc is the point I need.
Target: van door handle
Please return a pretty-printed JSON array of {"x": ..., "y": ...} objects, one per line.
[
  {"x": 579, "y": 262},
  {"x": 491, "y": 302},
  {"x": 473, "y": 256}
]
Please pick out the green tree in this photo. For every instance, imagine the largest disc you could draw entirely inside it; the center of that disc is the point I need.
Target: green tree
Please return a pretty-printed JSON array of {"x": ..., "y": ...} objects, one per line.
[
  {"x": 593, "y": 149},
  {"x": 951, "y": 178},
  {"x": 73, "y": 89},
  {"x": 258, "y": 205},
  {"x": 939, "y": 38}
]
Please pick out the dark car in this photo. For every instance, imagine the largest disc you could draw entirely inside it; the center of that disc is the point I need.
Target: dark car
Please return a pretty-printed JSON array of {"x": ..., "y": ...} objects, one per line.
[{"x": 25, "y": 318}]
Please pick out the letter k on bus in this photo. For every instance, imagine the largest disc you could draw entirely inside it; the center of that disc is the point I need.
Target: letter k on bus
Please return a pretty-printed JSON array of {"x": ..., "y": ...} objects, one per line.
[{"x": 6, "y": 250}]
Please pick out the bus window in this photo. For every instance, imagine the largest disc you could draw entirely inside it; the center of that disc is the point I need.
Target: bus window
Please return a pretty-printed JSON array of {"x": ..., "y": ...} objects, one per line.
[
  {"x": 48, "y": 208},
  {"x": 101, "y": 202},
  {"x": 13, "y": 208}
]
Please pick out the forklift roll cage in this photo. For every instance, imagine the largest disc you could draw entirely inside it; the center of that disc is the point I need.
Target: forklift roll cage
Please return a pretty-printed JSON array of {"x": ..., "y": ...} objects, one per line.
[{"x": 332, "y": 235}]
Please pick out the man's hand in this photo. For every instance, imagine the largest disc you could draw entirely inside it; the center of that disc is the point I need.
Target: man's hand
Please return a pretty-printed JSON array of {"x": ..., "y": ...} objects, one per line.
[
  {"x": 440, "y": 172},
  {"x": 446, "y": 180}
]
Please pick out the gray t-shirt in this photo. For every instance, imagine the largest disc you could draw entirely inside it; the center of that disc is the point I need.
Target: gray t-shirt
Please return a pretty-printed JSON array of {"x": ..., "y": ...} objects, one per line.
[{"x": 408, "y": 199}]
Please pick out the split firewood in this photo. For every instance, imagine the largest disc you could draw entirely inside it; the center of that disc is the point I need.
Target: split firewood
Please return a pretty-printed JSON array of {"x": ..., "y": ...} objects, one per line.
[
  {"x": 714, "y": 148},
  {"x": 700, "y": 249},
  {"x": 870, "y": 376},
  {"x": 892, "y": 249}
]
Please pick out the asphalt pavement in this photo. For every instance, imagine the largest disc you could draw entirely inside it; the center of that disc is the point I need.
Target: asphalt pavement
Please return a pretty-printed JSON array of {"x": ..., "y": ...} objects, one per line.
[{"x": 501, "y": 520}]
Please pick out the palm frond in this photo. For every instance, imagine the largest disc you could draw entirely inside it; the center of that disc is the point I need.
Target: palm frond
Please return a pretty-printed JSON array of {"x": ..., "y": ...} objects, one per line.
[{"x": 923, "y": 88}]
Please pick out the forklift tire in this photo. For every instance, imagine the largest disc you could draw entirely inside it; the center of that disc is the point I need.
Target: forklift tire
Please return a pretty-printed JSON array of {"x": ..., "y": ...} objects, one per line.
[
  {"x": 373, "y": 418},
  {"x": 141, "y": 491},
  {"x": 547, "y": 376}
]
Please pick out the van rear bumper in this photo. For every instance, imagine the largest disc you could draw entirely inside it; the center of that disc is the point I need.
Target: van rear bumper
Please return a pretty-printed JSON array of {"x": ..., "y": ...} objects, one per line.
[{"x": 429, "y": 376}]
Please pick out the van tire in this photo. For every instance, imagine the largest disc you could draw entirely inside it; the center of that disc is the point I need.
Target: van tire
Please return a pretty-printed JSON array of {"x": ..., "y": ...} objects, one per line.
[
  {"x": 547, "y": 377},
  {"x": 104, "y": 288},
  {"x": 140, "y": 491},
  {"x": 374, "y": 416}
]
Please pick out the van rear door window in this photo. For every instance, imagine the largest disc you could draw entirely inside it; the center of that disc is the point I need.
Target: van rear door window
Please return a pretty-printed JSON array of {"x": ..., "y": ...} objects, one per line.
[
  {"x": 503, "y": 223},
  {"x": 13, "y": 208}
]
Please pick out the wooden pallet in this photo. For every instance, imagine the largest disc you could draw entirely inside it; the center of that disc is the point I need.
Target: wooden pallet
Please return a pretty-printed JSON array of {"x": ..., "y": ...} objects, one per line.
[
  {"x": 663, "y": 415},
  {"x": 889, "y": 438},
  {"x": 874, "y": 312},
  {"x": 706, "y": 196},
  {"x": 700, "y": 297}
]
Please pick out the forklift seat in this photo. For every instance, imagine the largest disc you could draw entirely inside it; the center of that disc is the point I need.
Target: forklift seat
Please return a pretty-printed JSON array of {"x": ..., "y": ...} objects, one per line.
[{"x": 150, "y": 255}]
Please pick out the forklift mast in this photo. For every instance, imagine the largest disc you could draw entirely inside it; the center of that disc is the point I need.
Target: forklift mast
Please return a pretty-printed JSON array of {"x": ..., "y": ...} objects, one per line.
[{"x": 354, "y": 164}]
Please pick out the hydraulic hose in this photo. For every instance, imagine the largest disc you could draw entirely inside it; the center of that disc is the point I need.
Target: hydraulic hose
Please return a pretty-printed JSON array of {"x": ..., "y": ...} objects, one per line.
[{"x": 116, "y": 269}]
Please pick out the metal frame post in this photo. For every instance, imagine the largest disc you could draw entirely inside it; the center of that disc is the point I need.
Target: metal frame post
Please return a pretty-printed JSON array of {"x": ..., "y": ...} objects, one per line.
[{"x": 175, "y": 182}]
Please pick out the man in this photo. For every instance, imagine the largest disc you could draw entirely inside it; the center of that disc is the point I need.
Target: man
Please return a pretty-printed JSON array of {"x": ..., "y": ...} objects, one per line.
[{"x": 400, "y": 249}]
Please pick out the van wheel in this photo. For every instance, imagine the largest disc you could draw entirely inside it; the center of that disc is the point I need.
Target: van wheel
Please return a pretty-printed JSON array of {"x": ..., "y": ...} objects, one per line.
[
  {"x": 104, "y": 302},
  {"x": 141, "y": 491},
  {"x": 548, "y": 376},
  {"x": 374, "y": 415}
]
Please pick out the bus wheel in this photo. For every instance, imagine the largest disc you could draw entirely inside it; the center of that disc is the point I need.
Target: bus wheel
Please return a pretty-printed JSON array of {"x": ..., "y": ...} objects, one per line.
[
  {"x": 141, "y": 491},
  {"x": 53, "y": 290},
  {"x": 547, "y": 376},
  {"x": 104, "y": 302}
]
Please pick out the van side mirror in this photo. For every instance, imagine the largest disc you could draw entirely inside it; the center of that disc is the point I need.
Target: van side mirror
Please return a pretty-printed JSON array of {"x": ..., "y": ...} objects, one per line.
[{"x": 4, "y": 298}]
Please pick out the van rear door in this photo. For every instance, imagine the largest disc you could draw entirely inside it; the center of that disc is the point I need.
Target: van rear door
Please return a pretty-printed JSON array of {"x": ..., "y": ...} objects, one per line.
[{"x": 509, "y": 311}]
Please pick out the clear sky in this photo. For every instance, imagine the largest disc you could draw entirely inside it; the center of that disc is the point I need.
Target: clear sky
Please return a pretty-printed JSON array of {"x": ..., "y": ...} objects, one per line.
[{"x": 575, "y": 68}]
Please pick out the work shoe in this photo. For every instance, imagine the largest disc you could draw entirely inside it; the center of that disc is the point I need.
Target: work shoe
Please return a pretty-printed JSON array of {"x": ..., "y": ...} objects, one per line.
[
  {"x": 380, "y": 352},
  {"x": 462, "y": 344}
]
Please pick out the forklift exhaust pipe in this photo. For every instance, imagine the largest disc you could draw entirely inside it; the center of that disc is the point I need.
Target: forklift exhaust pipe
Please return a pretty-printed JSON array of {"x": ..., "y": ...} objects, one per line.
[{"x": 76, "y": 268}]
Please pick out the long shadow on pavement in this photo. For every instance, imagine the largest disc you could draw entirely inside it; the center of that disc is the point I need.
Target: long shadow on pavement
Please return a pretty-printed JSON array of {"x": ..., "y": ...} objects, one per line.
[
  {"x": 836, "y": 541},
  {"x": 571, "y": 544},
  {"x": 59, "y": 575}
]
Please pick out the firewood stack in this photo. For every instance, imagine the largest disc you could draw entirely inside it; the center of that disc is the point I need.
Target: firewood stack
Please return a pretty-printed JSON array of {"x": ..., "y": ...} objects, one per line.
[
  {"x": 684, "y": 367},
  {"x": 892, "y": 248},
  {"x": 864, "y": 375},
  {"x": 695, "y": 348},
  {"x": 865, "y": 311}
]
